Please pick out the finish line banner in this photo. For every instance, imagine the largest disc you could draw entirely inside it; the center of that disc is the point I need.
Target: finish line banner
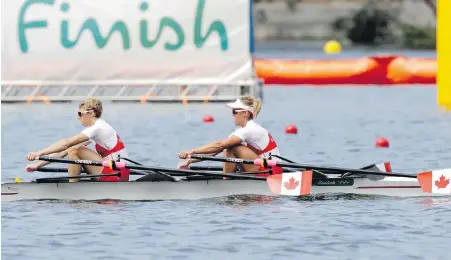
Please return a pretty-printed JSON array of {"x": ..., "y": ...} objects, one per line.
[{"x": 126, "y": 41}]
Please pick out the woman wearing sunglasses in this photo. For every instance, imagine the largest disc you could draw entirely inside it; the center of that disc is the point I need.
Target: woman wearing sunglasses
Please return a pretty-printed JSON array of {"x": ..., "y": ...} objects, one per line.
[
  {"x": 108, "y": 145},
  {"x": 250, "y": 141}
]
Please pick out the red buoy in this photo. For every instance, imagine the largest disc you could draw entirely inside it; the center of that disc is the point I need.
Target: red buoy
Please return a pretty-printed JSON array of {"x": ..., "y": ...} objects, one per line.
[
  {"x": 382, "y": 142},
  {"x": 208, "y": 119},
  {"x": 291, "y": 129}
]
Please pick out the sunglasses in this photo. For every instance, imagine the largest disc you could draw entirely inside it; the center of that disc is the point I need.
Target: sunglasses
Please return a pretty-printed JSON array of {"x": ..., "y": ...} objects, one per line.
[
  {"x": 235, "y": 111},
  {"x": 83, "y": 112}
]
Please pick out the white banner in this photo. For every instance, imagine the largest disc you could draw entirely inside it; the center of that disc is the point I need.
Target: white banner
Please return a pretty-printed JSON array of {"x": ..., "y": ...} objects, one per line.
[{"x": 127, "y": 41}]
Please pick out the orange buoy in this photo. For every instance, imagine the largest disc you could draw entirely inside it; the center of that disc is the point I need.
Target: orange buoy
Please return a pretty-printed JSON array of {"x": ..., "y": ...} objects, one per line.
[
  {"x": 291, "y": 129},
  {"x": 208, "y": 119},
  {"x": 382, "y": 142}
]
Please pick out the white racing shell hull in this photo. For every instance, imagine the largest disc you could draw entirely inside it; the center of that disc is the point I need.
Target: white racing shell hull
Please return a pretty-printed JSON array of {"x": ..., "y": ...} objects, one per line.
[{"x": 196, "y": 189}]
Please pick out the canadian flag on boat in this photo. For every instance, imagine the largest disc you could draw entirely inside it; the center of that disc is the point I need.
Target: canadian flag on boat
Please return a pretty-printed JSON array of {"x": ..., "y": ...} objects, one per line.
[
  {"x": 438, "y": 181},
  {"x": 385, "y": 167},
  {"x": 291, "y": 183}
]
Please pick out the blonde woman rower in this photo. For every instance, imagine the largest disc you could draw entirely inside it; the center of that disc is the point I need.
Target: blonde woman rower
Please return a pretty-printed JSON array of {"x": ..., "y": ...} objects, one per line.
[
  {"x": 108, "y": 145},
  {"x": 250, "y": 141}
]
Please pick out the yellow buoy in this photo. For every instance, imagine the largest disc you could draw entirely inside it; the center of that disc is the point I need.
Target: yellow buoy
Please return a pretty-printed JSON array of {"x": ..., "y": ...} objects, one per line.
[
  {"x": 18, "y": 180},
  {"x": 332, "y": 47}
]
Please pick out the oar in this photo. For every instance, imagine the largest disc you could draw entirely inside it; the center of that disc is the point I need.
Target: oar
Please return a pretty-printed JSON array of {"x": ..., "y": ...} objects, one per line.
[
  {"x": 104, "y": 164},
  {"x": 385, "y": 166},
  {"x": 437, "y": 181},
  {"x": 195, "y": 168},
  {"x": 120, "y": 165},
  {"x": 161, "y": 173},
  {"x": 51, "y": 169},
  {"x": 200, "y": 168},
  {"x": 271, "y": 163},
  {"x": 220, "y": 169},
  {"x": 55, "y": 179},
  {"x": 205, "y": 168}
]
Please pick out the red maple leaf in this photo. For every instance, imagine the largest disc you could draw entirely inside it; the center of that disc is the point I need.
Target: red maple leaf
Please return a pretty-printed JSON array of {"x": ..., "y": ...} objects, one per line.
[
  {"x": 291, "y": 184},
  {"x": 442, "y": 182}
]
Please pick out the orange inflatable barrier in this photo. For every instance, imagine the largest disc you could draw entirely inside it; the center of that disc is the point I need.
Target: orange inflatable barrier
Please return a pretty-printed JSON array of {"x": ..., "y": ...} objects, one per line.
[
  {"x": 381, "y": 70},
  {"x": 404, "y": 70}
]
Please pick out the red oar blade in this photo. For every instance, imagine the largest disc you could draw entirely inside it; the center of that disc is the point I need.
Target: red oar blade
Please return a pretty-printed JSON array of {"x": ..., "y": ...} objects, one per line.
[
  {"x": 291, "y": 183},
  {"x": 437, "y": 181}
]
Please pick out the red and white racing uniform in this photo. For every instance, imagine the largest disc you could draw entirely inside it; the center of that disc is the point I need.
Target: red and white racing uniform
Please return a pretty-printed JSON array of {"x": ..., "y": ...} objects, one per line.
[
  {"x": 108, "y": 145},
  {"x": 259, "y": 140}
]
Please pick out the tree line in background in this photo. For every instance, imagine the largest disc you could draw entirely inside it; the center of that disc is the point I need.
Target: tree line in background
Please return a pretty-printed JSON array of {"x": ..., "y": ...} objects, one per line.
[
  {"x": 377, "y": 22},
  {"x": 372, "y": 25}
]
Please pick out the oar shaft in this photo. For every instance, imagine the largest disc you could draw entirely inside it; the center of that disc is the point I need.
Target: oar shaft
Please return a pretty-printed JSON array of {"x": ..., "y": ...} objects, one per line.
[
  {"x": 336, "y": 169},
  {"x": 220, "y": 169},
  {"x": 153, "y": 168},
  {"x": 206, "y": 168},
  {"x": 191, "y": 172},
  {"x": 299, "y": 166},
  {"x": 63, "y": 160},
  {"x": 50, "y": 169},
  {"x": 221, "y": 159},
  {"x": 75, "y": 177},
  {"x": 43, "y": 169},
  {"x": 95, "y": 163}
]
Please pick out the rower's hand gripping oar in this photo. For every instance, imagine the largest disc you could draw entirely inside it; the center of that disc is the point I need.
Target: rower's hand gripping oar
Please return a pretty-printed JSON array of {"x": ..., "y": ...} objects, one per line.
[{"x": 437, "y": 181}]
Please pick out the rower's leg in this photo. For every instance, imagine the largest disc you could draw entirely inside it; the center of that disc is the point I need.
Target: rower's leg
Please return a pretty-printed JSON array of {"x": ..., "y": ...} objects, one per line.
[
  {"x": 241, "y": 152},
  {"x": 83, "y": 153},
  {"x": 229, "y": 167}
]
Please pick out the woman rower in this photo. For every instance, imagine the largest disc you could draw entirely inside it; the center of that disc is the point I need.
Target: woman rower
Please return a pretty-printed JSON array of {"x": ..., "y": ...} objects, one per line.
[
  {"x": 108, "y": 145},
  {"x": 250, "y": 141}
]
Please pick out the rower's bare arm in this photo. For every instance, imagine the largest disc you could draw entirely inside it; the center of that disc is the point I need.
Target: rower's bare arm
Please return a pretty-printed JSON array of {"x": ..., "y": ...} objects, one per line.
[
  {"x": 230, "y": 142},
  {"x": 208, "y": 148},
  {"x": 64, "y": 144},
  {"x": 56, "y": 155},
  {"x": 218, "y": 146},
  {"x": 197, "y": 160}
]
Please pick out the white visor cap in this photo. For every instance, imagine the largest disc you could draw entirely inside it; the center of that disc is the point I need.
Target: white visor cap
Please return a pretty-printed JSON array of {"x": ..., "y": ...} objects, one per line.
[{"x": 239, "y": 105}]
